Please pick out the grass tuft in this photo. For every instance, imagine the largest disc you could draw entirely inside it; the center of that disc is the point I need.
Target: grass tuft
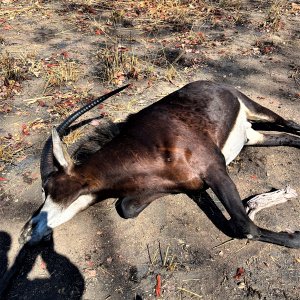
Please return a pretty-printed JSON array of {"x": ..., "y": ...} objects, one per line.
[
  {"x": 118, "y": 63},
  {"x": 273, "y": 20},
  {"x": 61, "y": 73}
]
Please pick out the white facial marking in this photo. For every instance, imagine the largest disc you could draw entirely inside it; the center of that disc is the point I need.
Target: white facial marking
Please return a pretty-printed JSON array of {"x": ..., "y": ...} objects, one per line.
[
  {"x": 52, "y": 215},
  {"x": 57, "y": 215}
]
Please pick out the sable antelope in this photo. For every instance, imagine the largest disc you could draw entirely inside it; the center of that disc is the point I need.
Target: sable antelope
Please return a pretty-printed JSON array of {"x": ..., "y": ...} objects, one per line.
[{"x": 180, "y": 144}]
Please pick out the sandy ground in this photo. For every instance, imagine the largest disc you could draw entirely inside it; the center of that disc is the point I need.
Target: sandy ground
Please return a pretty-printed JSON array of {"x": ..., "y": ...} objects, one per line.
[{"x": 98, "y": 255}]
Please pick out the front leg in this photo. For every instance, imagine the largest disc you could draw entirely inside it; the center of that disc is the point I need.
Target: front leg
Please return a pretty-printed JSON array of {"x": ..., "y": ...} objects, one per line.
[
  {"x": 241, "y": 225},
  {"x": 212, "y": 211}
]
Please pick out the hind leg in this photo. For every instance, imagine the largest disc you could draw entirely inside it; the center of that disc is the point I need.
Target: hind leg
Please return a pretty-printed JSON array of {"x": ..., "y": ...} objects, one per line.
[
  {"x": 221, "y": 184},
  {"x": 258, "y": 114},
  {"x": 257, "y": 138}
]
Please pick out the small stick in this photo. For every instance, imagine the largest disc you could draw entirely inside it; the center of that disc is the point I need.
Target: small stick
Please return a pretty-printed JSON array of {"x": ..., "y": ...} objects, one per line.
[
  {"x": 228, "y": 241},
  {"x": 32, "y": 100},
  {"x": 171, "y": 262},
  {"x": 166, "y": 256},
  {"x": 192, "y": 279},
  {"x": 189, "y": 292},
  {"x": 148, "y": 250},
  {"x": 105, "y": 271},
  {"x": 160, "y": 253},
  {"x": 155, "y": 256}
]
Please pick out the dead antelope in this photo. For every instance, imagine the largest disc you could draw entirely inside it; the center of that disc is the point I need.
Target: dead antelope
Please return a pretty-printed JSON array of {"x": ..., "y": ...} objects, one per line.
[{"x": 180, "y": 144}]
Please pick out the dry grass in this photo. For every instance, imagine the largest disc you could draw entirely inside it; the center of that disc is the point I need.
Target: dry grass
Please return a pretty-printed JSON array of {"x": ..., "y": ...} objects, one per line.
[
  {"x": 61, "y": 73},
  {"x": 65, "y": 103},
  {"x": 11, "y": 149},
  {"x": 12, "y": 68},
  {"x": 177, "y": 14},
  {"x": 74, "y": 136},
  {"x": 166, "y": 260},
  {"x": 25, "y": 7},
  {"x": 16, "y": 67},
  {"x": 87, "y": 2},
  {"x": 171, "y": 73},
  {"x": 117, "y": 64},
  {"x": 13, "y": 9},
  {"x": 273, "y": 20},
  {"x": 294, "y": 73}
]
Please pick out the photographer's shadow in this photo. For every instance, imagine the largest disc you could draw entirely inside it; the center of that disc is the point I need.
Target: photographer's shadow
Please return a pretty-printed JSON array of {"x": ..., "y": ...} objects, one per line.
[{"x": 63, "y": 279}]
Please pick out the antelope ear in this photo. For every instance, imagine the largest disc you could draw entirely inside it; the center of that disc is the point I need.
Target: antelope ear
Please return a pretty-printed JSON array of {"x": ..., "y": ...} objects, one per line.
[{"x": 60, "y": 152}]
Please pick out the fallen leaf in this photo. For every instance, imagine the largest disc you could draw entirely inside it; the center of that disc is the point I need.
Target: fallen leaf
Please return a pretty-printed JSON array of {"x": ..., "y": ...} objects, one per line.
[
  {"x": 25, "y": 129},
  {"x": 99, "y": 32},
  {"x": 41, "y": 103},
  {"x": 7, "y": 27},
  {"x": 158, "y": 286},
  {"x": 65, "y": 54},
  {"x": 91, "y": 273},
  {"x": 89, "y": 263},
  {"x": 240, "y": 272}
]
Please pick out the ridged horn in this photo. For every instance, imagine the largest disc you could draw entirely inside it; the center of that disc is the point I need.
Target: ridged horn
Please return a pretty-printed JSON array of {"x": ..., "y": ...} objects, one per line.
[{"x": 47, "y": 165}]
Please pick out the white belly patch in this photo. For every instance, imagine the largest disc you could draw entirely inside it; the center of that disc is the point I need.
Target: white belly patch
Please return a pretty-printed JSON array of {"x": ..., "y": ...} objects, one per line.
[{"x": 237, "y": 137}]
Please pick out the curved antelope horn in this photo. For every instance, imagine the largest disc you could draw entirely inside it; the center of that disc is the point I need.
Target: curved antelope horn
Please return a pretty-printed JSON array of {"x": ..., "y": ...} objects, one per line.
[{"x": 47, "y": 165}]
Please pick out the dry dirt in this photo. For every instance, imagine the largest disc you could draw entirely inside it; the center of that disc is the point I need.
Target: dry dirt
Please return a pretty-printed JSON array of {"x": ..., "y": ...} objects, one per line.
[{"x": 158, "y": 46}]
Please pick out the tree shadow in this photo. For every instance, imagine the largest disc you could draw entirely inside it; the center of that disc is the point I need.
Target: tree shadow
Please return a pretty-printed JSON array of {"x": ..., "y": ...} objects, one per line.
[{"x": 63, "y": 281}]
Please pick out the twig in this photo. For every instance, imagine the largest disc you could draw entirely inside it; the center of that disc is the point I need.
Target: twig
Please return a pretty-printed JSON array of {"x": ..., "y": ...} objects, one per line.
[
  {"x": 160, "y": 253},
  {"x": 166, "y": 256},
  {"x": 228, "y": 241},
  {"x": 105, "y": 271},
  {"x": 192, "y": 279},
  {"x": 155, "y": 256},
  {"x": 148, "y": 250},
  {"x": 190, "y": 292},
  {"x": 33, "y": 100}
]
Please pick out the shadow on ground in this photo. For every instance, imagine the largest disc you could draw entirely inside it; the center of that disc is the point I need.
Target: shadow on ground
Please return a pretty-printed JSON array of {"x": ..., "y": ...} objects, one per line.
[{"x": 59, "y": 279}]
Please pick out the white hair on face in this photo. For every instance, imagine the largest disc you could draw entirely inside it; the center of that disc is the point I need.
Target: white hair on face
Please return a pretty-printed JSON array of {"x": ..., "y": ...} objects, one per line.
[
  {"x": 57, "y": 215},
  {"x": 52, "y": 215}
]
